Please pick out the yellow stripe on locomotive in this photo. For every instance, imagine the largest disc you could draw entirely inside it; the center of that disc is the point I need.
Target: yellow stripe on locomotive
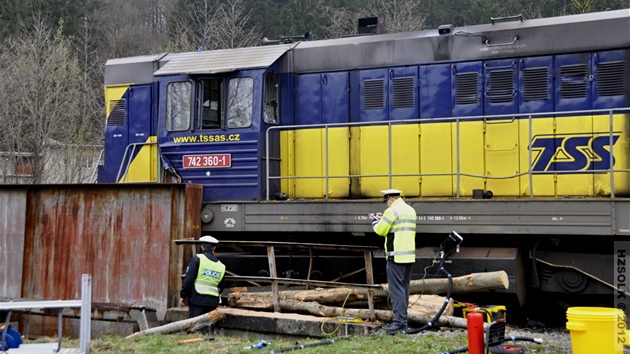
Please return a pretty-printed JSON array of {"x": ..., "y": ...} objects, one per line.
[
  {"x": 144, "y": 164},
  {"x": 113, "y": 94},
  {"x": 569, "y": 157}
]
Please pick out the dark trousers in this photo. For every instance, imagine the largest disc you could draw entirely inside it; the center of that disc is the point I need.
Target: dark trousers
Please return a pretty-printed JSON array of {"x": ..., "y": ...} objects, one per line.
[
  {"x": 398, "y": 279},
  {"x": 194, "y": 310}
]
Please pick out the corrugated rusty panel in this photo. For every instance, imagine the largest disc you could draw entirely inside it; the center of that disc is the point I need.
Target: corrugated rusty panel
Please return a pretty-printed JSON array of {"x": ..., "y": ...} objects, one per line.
[
  {"x": 121, "y": 234},
  {"x": 12, "y": 223},
  {"x": 191, "y": 215}
]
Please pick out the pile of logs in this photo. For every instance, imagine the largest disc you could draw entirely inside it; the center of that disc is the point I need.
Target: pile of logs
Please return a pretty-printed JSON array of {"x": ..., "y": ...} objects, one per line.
[{"x": 333, "y": 302}]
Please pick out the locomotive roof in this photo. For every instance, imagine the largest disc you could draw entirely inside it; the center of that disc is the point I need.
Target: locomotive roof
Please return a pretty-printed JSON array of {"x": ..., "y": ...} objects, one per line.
[
  {"x": 574, "y": 33},
  {"x": 545, "y": 36},
  {"x": 225, "y": 60}
]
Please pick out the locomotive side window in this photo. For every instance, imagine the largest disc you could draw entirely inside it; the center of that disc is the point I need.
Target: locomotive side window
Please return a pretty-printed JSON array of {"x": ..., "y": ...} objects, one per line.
[
  {"x": 240, "y": 102},
  {"x": 178, "y": 106},
  {"x": 211, "y": 104},
  {"x": 272, "y": 84}
]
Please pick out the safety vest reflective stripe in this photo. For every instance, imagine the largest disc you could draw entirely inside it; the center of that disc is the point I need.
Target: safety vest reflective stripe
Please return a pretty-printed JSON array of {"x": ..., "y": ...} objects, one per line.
[
  {"x": 209, "y": 276},
  {"x": 398, "y": 225},
  {"x": 398, "y": 253},
  {"x": 404, "y": 228},
  {"x": 203, "y": 287}
]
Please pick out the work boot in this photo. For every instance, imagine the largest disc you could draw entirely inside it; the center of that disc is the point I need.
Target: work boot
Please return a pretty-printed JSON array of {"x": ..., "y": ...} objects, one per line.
[{"x": 394, "y": 328}]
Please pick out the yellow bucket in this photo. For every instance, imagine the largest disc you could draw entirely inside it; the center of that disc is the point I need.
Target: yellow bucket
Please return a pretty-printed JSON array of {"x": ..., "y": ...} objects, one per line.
[{"x": 599, "y": 330}]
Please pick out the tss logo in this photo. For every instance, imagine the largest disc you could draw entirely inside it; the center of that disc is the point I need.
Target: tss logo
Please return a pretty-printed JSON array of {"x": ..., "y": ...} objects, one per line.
[{"x": 573, "y": 152}]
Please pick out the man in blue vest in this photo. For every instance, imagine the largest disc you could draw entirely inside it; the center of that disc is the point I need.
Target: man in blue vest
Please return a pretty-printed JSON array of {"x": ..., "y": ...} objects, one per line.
[
  {"x": 398, "y": 225},
  {"x": 203, "y": 283}
]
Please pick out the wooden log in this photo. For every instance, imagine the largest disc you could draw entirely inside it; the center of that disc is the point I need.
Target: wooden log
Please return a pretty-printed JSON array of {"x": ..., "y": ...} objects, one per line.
[
  {"x": 471, "y": 283},
  {"x": 183, "y": 325},
  {"x": 429, "y": 305},
  {"x": 474, "y": 282},
  {"x": 382, "y": 315}
]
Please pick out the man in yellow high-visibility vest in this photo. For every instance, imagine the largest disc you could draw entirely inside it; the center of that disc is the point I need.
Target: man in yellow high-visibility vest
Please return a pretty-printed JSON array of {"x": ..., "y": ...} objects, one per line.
[
  {"x": 203, "y": 282},
  {"x": 398, "y": 225}
]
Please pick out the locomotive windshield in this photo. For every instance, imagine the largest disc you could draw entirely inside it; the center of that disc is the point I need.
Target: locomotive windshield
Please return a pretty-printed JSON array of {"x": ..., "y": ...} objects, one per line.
[
  {"x": 213, "y": 105},
  {"x": 178, "y": 106},
  {"x": 240, "y": 102}
]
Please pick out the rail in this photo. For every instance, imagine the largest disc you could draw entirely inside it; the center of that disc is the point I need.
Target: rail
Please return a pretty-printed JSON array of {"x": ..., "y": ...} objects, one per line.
[
  {"x": 458, "y": 174},
  {"x": 275, "y": 280},
  {"x": 85, "y": 303},
  {"x": 94, "y": 176},
  {"x": 122, "y": 162}
]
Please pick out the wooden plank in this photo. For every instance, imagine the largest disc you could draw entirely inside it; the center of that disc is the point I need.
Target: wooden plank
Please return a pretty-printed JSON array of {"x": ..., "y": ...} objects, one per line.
[
  {"x": 319, "y": 283},
  {"x": 369, "y": 279},
  {"x": 291, "y": 324},
  {"x": 271, "y": 257},
  {"x": 322, "y": 246},
  {"x": 51, "y": 304}
]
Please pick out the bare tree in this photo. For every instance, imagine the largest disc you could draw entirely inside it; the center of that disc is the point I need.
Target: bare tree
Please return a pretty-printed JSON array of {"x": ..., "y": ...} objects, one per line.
[
  {"x": 209, "y": 25},
  {"x": 583, "y": 6},
  {"x": 400, "y": 15},
  {"x": 43, "y": 91},
  {"x": 233, "y": 26},
  {"x": 132, "y": 27},
  {"x": 396, "y": 15},
  {"x": 193, "y": 26},
  {"x": 339, "y": 21}
]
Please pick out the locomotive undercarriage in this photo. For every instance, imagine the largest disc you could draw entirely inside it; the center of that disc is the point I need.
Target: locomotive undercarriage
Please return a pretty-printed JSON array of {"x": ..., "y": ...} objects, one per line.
[{"x": 563, "y": 248}]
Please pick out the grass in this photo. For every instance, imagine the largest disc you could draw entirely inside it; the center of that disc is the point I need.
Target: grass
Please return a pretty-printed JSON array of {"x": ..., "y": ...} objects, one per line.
[{"x": 171, "y": 343}]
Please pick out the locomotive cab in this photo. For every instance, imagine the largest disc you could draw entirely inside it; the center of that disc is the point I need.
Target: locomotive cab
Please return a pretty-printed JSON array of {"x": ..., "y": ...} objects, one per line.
[{"x": 206, "y": 117}]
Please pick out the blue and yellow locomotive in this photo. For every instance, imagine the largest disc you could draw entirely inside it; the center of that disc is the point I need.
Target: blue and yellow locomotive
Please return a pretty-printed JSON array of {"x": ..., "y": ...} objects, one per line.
[{"x": 518, "y": 128}]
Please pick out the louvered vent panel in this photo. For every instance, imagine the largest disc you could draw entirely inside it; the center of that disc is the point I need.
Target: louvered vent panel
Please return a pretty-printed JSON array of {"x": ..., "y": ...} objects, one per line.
[
  {"x": 611, "y": 79},
  {"x": 403, "y": 91},
  {"x": 118, "y": 112},
  {"x": 501, "y": 86},
  {"x": 536, "y": 84},
  {"x": 374, "y": 94},
  {"x": 574, "y": 81},
  {"x": 466, "y": 88}
]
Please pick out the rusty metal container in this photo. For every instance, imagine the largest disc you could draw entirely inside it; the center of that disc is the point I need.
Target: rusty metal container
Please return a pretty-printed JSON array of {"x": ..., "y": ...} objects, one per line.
[{"x": 122, "y": 234}]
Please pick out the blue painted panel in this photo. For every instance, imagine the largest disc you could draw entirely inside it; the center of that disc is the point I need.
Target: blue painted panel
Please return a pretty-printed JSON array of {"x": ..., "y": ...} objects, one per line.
[
  {"x": 137, "y": 129},
  {"x": 140, "y": 113},
  {"x": 467, "y": 89},
  {"x": 542, "y": 99},
  {"x": 612, "y": 94},
  {"x": 241, "y": 180},
  {"x": 373, "y": 95},
  {"x": 355, "y": 96},
  {"x": 335, "y": 97},
  {"x": 500, "y": 93},
  {"x": 286, "y": 101},
  {"x": 403, "y": 93},
  {"x": 435, "y": 91},
  {"x": 308, "y": 108},
  {"x": 572, "y": 90}
]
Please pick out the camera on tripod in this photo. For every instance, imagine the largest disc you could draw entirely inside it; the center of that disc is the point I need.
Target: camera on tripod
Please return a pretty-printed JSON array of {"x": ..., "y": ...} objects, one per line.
[{"x": 452, "y": 242}]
